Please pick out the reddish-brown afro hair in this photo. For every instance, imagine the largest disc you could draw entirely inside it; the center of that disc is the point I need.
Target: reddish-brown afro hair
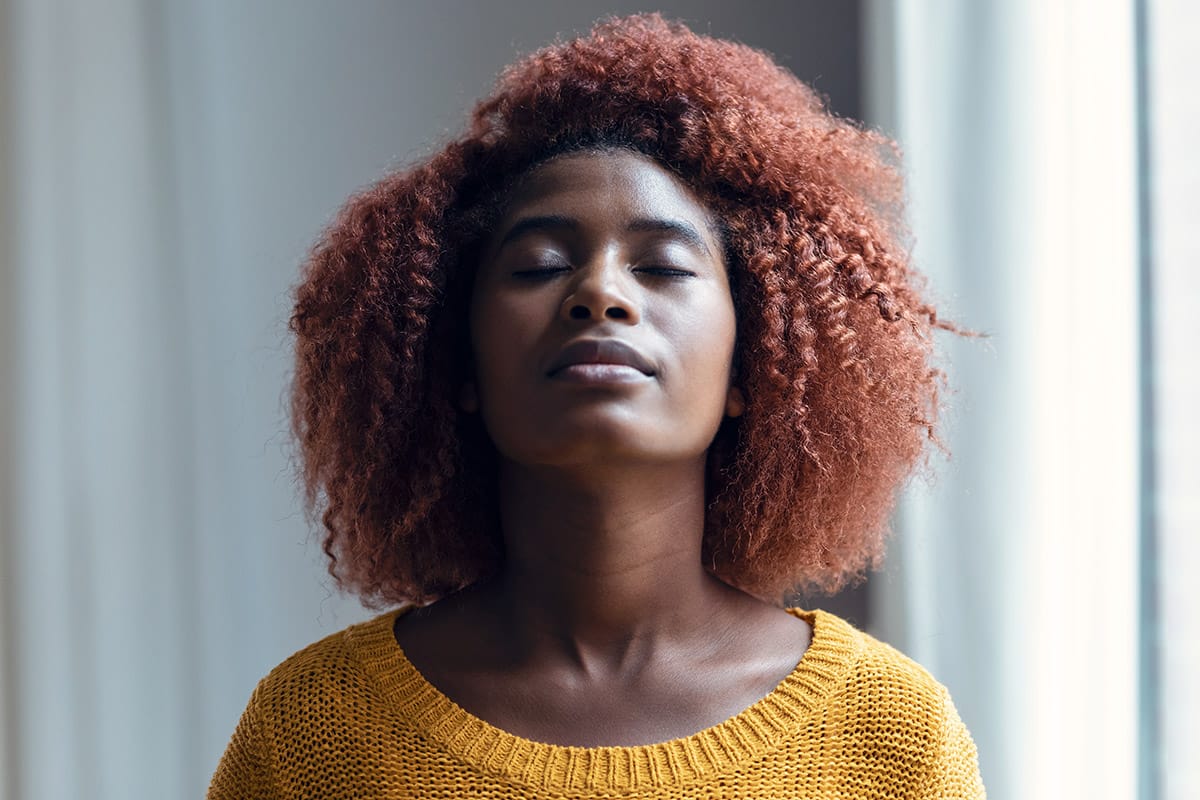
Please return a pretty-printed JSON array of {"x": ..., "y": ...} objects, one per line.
[{"x": 833, "y": 344}]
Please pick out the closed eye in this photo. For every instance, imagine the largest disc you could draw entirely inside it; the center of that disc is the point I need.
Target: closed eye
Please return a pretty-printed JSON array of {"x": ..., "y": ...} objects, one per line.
[
  {"x": 536, "y": 274},
  {"x": 548, "y": 272},
  {"x": 666, "y": 272}
]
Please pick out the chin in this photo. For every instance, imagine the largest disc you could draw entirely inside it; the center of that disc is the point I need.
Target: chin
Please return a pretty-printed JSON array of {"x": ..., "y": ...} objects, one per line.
[
  {"x": 609, "y": 436},
  {"x": 599, "y": 450}
]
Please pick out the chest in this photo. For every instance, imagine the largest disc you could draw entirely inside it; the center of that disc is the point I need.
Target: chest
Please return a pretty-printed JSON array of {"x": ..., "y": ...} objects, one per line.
[{"x": 557, "y": 709}]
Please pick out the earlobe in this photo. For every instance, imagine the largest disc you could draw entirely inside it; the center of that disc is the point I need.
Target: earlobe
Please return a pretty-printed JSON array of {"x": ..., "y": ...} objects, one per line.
[
  {"x": 468, "y": 398},
  {"x": 735, "y": 402}
]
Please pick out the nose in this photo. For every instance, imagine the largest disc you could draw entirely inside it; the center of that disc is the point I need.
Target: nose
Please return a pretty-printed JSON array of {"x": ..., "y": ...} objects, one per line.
[{"x": 599, "y": 294}]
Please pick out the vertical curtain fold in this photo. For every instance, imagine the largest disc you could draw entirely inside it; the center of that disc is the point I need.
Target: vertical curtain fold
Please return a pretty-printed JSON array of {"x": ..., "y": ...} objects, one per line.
[
  {"x": 1171, "y": 119},
  {"x": 99, "y": 510}
]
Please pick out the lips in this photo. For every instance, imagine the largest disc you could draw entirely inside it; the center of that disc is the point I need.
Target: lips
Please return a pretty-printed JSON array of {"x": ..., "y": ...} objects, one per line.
[{"x": 600, "y": 351}]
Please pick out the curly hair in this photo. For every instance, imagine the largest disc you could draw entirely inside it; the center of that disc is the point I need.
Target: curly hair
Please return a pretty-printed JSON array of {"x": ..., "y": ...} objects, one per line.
[{"x": 833, "y": 351}]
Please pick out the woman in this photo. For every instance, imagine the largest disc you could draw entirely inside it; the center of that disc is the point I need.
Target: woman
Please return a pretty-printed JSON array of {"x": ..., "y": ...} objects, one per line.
[{"x": 586, "y": 394}]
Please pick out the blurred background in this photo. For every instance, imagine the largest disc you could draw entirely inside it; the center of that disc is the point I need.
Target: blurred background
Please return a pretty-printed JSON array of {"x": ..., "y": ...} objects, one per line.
[{"x": 164, "y": 167}]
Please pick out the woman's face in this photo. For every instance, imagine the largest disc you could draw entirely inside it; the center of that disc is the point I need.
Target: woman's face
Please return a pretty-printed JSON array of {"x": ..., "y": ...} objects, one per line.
[{"x": 602, "y": 325}]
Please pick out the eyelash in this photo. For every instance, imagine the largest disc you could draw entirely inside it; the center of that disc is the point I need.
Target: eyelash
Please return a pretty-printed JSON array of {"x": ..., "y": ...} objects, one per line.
[
  {"x": 658, "y": 272},
  {"x": 533, "y": 274}
]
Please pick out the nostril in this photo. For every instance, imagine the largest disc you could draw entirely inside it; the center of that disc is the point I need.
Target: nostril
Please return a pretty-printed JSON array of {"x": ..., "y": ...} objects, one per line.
[
  {"x": 616, "y": 312},
  {"x": 580, "y": 312}
]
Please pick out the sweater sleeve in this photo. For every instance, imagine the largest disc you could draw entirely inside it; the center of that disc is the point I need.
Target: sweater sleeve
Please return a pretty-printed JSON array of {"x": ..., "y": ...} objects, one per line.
[
  {"x": 954, "y": 772},
  {"x": 244, "y": 772}
]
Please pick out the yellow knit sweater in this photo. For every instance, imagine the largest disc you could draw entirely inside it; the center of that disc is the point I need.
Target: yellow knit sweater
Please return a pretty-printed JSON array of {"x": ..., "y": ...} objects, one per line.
[{"x": 350, "y": 717}]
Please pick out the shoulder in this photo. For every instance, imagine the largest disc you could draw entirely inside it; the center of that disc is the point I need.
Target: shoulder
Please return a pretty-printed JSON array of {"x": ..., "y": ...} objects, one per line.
[
  {"x": 874, "y": 670},
  {"x": 318, "y": 705},
  {"x": 892, "y": 712},
  {"x": 327, "y": 671}
]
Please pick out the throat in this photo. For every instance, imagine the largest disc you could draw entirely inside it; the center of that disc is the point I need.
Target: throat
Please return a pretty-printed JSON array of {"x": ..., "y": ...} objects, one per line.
[{"x": 612, "y": 625}]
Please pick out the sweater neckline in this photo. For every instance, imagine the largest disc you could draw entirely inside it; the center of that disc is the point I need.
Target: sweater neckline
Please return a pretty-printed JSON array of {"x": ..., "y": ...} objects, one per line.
[{"x": 545, "y": 767}]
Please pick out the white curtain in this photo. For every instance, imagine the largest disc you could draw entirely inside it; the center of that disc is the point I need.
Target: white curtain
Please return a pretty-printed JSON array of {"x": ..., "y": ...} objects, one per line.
[
  {"x": 1025, "y": 577},
  {"x": 155, "y": 564},
  {"x": 97, "y": 502}
]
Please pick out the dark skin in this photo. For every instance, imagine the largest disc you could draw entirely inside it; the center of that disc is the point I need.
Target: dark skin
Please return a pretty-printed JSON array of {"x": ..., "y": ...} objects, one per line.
[{"x": 603, "y": 627}]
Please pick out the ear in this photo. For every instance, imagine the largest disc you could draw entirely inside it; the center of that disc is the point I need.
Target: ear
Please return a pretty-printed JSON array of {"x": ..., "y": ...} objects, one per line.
[
  {"x": 468, "y": 398},
  {"x": 735, "y": 402}
]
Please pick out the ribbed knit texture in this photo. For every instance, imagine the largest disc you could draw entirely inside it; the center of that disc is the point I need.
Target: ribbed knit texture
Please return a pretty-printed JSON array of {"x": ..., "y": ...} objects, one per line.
[{"x": 350, "y": 717}]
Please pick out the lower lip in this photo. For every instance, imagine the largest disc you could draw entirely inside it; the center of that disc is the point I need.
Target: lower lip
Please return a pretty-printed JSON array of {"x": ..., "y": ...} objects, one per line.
[{"x": 600, "y": 373}]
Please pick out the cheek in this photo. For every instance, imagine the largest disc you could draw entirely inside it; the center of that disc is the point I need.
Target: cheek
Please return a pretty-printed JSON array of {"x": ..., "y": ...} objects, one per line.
[
  {"x": 492, "y": 356},
  {"x": 504, "y": 338},
  {"x": 706, "y": 337},
  {"x": 482, "y": 321}
]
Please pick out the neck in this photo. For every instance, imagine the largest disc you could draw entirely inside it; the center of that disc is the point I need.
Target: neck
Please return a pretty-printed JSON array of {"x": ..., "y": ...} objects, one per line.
[{"x": 604, "y": 569}]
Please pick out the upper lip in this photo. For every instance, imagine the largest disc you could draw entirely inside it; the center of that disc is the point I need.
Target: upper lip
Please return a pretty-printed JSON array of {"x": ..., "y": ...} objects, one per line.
[{"x": 600, "y": 351}]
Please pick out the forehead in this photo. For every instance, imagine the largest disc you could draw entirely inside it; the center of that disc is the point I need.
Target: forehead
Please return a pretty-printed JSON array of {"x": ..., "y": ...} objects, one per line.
[{"x": 605, "y": 186}]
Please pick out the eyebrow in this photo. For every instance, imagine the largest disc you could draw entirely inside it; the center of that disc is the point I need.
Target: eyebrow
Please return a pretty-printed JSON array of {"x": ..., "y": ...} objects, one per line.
[
  {"x": 675, "y": 228},
  {"x": 547, "y": 222},
  {"x": 678, "y": 229}
]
